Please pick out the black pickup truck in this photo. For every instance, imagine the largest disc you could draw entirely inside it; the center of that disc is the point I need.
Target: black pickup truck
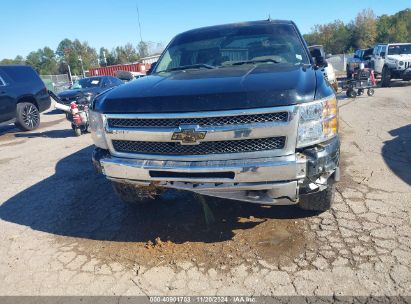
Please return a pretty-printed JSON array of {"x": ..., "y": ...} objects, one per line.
[
  {"x": 239, "y": 111},
  {"x": 23, "y": 96}
]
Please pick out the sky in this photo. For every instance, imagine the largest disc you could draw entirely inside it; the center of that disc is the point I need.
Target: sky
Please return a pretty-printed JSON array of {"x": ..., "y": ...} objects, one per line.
[{"x": 28, "y": 25}]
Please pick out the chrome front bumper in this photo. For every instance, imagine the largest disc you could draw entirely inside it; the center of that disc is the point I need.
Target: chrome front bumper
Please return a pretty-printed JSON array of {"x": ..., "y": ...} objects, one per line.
[{"x": 265, "y": 180}]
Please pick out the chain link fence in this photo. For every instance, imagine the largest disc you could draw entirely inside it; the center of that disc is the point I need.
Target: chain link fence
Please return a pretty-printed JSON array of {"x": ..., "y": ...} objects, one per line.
[
  {"x": 339, "y": 61},
  {"x": 56, "y": 83}
]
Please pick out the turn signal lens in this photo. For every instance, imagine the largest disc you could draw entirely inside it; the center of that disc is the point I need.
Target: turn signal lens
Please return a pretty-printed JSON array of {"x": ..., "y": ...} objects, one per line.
[{"x": 330, "y": 127}]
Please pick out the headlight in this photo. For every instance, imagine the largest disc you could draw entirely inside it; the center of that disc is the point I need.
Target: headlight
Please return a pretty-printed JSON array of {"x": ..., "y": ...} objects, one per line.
[
  {"x": 97, "y": 129},
  {"x": 401, "y": 63},
  {"x": 318, "y": 121}
]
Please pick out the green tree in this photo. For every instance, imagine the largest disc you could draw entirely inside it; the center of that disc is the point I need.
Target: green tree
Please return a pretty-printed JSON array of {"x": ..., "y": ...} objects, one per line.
[
  {"x": 34, "y": 59},
  {"x": 394, "y": 28},
  {"x": 43, "y": 61},
  {"x": 334, "y": 36},
  {"x": 142, "y": 49},
  {"x": 67, "y": 55},
  {"x": 364, "y": 29},
  {"x": 70, "y": 52},
  {"x": 126, "y": 54},
  {"x": 17, "y": 60}
]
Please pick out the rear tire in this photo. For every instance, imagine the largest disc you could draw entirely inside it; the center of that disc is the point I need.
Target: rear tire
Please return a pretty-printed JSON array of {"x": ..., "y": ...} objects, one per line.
[
  {"x": 134, "y": 194},
  {"x": 385, "y": 77},
  {"x": 320, "y": 201},
  {"x": 27, "y": 116}
]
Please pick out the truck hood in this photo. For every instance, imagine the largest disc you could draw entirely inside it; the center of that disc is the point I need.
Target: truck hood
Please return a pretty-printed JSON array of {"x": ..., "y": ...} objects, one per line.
[
  {"x": 402, "y": 57},
  {"x": 236, "y": 87}
]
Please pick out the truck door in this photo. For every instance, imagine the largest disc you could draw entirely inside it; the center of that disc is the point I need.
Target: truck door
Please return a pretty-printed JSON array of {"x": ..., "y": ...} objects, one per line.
[
  {"x": 380, "y": 58},
  {"x": 7, "y": 104}
]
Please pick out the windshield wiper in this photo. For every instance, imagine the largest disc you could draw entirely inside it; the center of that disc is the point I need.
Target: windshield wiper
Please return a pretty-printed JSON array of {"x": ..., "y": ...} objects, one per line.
[
  {"x": 191, "y": 66},
  {"x": 254, "y": 61}
]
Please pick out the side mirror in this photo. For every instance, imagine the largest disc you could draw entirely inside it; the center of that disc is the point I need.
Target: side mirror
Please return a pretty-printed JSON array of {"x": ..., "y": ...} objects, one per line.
[
  {"x": 150, "y": 70},
  {"x": 319, "y": 58}
]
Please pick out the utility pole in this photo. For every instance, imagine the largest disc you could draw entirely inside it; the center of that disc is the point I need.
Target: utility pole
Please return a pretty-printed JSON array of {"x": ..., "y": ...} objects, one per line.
[
  {"x": 69, "y": 72},
  {"x": 139, "y": 24},
  {"x": 82, "y": 67},
  {"x": 104, "y": 56}
]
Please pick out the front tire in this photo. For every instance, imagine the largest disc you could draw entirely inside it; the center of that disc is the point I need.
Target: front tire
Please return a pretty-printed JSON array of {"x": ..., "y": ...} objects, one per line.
[
  {"x": 28, "y": 116},
  {"x": 370, "y": 92},
  {"x": 320, "y": 201},
  {"x": 385, "y": 77},
  {"x": 134, "y": 194},
  {"x": 351, "y": 93},
  {"x": 77, "y": 132}
]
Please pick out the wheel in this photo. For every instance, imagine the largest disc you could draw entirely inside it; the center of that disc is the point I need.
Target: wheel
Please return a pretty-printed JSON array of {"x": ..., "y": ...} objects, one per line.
[
  {"x": 370, "y": 92},
  {"x": 134, "y": 194},
  {"x": 84, "y": 129},
  {"x": 385, "y": 77},
  {"x": 27, "y": 116},
  {"x": 77, "y": 131},
  {"x": 320, "y": 201},
  {"x": 360, "y": 92},
  {"x": 351, "y": 93}
]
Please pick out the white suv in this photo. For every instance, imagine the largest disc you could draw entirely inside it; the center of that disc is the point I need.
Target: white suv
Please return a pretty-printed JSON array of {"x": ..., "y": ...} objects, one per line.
[{"x": 392, "y": 61}]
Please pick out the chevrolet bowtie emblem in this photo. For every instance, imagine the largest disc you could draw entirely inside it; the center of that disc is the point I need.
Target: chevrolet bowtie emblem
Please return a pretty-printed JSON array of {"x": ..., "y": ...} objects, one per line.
[{"x": 189, "y": 136}]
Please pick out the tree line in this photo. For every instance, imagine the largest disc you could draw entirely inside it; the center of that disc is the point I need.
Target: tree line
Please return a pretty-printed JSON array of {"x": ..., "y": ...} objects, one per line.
[
  {"x": 365, "y": 30},
  {"x": 80, "y": 55}
]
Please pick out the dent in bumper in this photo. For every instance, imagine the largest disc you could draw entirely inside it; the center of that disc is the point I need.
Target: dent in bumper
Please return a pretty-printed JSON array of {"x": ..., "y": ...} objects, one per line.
[{"x": 275, "y": 180}]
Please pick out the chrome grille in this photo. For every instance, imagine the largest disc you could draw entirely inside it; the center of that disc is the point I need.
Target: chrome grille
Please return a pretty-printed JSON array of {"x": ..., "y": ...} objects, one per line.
[
  {"x": 201, "y": 121},
  {"x": 204, "y": 148}
]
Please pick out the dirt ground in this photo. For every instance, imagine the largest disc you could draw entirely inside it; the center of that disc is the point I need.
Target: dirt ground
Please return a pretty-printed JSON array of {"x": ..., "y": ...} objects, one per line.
[{"x": 64, "y": 232}]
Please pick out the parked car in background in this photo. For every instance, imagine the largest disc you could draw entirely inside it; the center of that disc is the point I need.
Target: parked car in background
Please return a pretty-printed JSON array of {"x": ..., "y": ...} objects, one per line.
[
  {"x": 88, "y": 88},
  {"x": 360, "y": 56},
  {"x": 23, "y": 95},
  {"x": 392, "y": 61},
  {"x": 237, "y": 111}
]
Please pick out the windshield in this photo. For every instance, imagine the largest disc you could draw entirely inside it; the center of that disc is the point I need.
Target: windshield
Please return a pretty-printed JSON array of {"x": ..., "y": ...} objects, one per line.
[
  {"x": 219, "y": 47},
  {"x": 86, "y": 83},
  {"x": 399, "y": 49}
]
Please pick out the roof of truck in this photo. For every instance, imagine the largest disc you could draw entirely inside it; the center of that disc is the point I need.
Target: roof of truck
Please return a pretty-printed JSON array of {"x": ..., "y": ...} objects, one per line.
[{"x": 239, "y": 24}]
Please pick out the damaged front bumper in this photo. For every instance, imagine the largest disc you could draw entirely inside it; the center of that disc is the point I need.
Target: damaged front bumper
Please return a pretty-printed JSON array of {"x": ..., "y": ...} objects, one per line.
[{"x": 274, "y": 181}]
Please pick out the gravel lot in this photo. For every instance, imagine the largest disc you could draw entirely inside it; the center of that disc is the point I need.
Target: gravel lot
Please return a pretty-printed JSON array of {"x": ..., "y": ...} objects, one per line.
[{"x": 63, "y": 231}]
